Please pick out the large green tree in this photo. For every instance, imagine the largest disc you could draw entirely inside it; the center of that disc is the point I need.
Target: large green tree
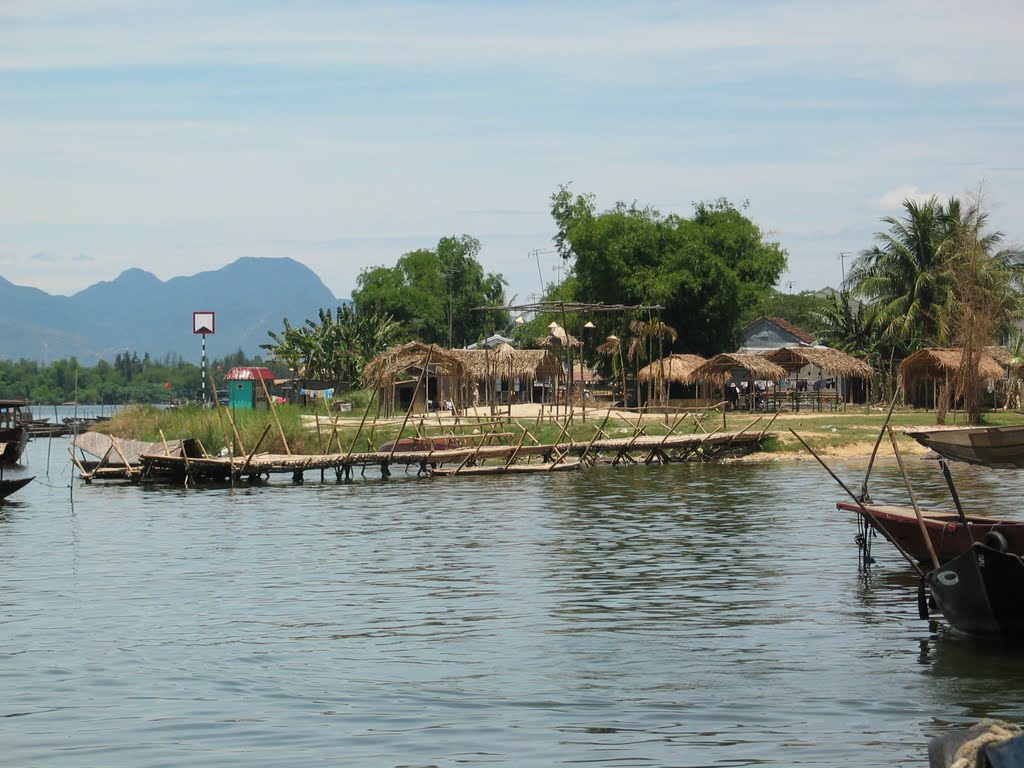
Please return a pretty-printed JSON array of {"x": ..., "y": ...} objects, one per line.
[
  {"x": 703, "y": 270},
  {"x": 431, "y": 293}
]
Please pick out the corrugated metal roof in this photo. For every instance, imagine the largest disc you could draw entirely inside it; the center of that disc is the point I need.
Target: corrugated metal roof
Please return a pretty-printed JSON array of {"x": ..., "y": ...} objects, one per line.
[{"x": 249, "y": 374}]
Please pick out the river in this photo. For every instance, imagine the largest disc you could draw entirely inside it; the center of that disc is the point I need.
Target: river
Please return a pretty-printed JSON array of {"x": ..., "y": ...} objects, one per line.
[{"x": 680, "y": 615}]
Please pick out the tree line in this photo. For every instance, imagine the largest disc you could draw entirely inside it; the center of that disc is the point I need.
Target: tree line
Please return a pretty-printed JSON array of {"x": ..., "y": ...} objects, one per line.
[
  {"x": 936, "y": 276},
  {"x": 129, "y": 378}
]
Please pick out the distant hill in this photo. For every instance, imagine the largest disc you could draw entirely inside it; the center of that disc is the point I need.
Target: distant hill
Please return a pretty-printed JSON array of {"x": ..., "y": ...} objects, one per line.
[{"x": 139, "y": 312}]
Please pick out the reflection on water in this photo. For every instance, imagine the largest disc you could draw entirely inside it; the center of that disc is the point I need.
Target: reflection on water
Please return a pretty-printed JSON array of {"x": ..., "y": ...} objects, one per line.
[{"x": 681, "y": 615}]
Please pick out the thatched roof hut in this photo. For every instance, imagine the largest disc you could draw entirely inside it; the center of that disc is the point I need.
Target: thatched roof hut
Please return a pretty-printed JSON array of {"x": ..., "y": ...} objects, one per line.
[
  {"x": 940, "y": 364},
  {"x": 1003, "y": 356},
  {"x": 831, "y": 361},
  {"x": 558, "y": 338},
  {"x": 677, "y": 368},
  {"x": 506, "y": 362},
  {"x": 755, "y": 366},
  {"x": 389, "y": 373}
]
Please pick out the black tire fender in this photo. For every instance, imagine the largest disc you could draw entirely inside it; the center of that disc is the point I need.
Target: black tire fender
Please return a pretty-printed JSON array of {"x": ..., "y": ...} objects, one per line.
[{"x": 996, "y": 540}]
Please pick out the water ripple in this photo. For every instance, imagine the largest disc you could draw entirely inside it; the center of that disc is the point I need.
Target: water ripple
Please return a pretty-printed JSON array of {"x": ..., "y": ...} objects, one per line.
[{"x": 640, "y": 615}]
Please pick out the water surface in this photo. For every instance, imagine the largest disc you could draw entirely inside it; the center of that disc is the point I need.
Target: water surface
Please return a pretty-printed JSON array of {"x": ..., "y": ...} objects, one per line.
[{"x": 681, "y": 615}]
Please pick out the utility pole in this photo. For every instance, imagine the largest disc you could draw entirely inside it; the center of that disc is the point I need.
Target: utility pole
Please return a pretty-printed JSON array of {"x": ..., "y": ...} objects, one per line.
[
  {"x": 535, "y": 253},
  {"x": 842, "y": 262},
  {"x": 789, "y": 284}
]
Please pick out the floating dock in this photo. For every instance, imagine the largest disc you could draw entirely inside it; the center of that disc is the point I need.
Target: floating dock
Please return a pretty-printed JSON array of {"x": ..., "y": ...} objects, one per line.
[{"x": 160, "y": 463}]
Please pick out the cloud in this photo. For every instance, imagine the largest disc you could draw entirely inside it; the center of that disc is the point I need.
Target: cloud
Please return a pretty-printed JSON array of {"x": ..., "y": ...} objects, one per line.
[
  {"x": 83, "y": 257},
  {"x": 48, "y": 258},
  {"x": 894, "y": 198}
]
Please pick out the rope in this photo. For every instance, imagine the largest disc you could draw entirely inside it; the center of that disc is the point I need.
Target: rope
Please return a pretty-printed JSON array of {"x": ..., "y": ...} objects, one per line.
[{"x": 997, "y": 732}]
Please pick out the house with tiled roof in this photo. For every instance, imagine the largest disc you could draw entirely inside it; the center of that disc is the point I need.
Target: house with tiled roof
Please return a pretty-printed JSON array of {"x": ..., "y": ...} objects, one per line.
[{"x": 768, "y": 333}]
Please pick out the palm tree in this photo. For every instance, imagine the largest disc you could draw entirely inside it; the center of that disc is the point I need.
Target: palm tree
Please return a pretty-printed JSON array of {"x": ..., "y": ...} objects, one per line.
[
  {"x": 612, "y": 347},
  {"x": 986, "y": 281},
  {"x": 646, "y": 332},
  {"x": 905, "y": 277}
]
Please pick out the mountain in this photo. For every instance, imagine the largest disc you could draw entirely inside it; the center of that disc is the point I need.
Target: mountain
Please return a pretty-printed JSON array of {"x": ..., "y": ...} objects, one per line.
[{"x": 140, "y": 313}]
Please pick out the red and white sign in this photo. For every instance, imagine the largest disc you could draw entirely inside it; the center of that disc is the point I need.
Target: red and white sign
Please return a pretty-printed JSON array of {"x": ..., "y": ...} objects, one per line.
[{"x": 204, "y": 322}]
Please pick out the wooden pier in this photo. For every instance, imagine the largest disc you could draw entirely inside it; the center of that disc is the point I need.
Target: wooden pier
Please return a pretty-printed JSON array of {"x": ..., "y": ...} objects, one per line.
[{"x": 177, "y": 465}]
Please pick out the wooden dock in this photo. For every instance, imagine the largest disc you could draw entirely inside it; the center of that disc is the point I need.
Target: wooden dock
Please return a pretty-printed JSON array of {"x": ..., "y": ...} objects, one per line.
[{"x": 177, "y": 466}]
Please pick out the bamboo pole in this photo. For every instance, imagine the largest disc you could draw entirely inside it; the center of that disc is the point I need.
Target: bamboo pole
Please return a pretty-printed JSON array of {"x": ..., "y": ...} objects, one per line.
[
  {"x": 416, "y": 391},
  {"x": 599, "y": 431},
  {"x": 860, "y": 504},
  {"x": 956, "y": 500},
  {"x": 512, "y": 456},
  {"x": 768, "y": 425},
  {"x": 878, "y": 441},
  {"x": 373, "y": 400},
  {"x": 248, "y": 459},
  {"x": 116, "y": 447},
  {"x": 220, "y": 417},
  {"x": 273, "y": 410},
  {"x": 472, "y": 455},
  {"x": 913, "y": 499},
  {"x": 234, "y": 430}
]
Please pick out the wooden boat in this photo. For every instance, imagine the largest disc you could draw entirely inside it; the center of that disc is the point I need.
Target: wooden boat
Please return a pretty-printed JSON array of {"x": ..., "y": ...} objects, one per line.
[
  {"x": 7, "y": 487},
  {"x": 950, "y": 539},
  {"x": 997, "y": 447},
  {"x": 13, "y": 432},
  {"x": 511, "y": 469},
  {"x": 12, "y": 443},
  {"x": 979, "y": 592}
]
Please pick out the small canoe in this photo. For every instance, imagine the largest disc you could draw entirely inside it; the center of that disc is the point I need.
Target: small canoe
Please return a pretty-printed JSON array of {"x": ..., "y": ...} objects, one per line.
[
  {"x": 949, "y": 538},
  {"x": 511, "y": 469},
  {"x": 7, "y": 487}
]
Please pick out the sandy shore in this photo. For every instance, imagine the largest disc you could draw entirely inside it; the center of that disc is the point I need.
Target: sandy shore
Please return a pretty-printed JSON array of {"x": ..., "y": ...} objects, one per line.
[{"x": 814, "y": 423}]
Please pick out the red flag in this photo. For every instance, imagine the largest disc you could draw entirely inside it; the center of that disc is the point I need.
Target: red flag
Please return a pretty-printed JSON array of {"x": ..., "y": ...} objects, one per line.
[{"x": 167, "y": 385}]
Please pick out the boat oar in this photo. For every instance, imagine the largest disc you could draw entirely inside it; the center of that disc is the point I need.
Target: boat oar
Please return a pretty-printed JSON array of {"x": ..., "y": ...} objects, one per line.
[
  {"x": 860, "y": 505},
  {"x": 913, "y": 499}
]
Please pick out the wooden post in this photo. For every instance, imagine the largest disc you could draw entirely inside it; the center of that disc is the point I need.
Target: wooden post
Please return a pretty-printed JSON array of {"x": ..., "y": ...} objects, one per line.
[
  {"x": 913, "y": 499},
  {"x": 220, "y": 417},
  {"x": 416, "y": 391},
  {"x": 248, "y": 459},
  {"x": 234, "y": 430},
  {"x": 273, "y": 410}
]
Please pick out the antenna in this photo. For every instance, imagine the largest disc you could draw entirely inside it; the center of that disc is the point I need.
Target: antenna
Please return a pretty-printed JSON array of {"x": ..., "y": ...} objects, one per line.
[
  {"x": 535, "y": 253},
  {"x": 842, "y": 262}
]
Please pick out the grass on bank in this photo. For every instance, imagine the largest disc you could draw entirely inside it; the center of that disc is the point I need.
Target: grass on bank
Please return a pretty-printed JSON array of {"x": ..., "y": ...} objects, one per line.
[{"x": 827, "y": 432}]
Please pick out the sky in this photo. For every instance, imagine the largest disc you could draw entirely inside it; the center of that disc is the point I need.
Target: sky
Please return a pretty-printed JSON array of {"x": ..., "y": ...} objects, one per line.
[{"x": 177, "y": 136}]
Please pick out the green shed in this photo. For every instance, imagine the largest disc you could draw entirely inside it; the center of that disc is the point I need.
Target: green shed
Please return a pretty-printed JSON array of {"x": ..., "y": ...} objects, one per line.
[{"x": 245, "y": 392}]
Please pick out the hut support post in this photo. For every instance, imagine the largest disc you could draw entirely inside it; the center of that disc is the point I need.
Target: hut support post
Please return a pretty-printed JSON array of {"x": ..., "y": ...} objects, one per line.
[{"x": 415, "y": 392}]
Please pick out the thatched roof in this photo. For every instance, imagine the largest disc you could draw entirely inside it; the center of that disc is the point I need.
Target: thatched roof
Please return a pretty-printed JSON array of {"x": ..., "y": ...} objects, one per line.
[
  {"x": 558, "y": 338},
  {"x": 829, "y": 360},
  {"x": 756, "y": 366},
  {"x": 386, "y": 366},
  {"x": 678, "y": 368},
  {"x": 943, "y": 363},
  {"x": 523, "y": 363},
  {"x": 1001, "y": 355}
]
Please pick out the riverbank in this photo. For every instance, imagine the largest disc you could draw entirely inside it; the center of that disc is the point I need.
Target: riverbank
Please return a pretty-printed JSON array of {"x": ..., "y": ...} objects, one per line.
[{"x": 848, "y": 434}]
